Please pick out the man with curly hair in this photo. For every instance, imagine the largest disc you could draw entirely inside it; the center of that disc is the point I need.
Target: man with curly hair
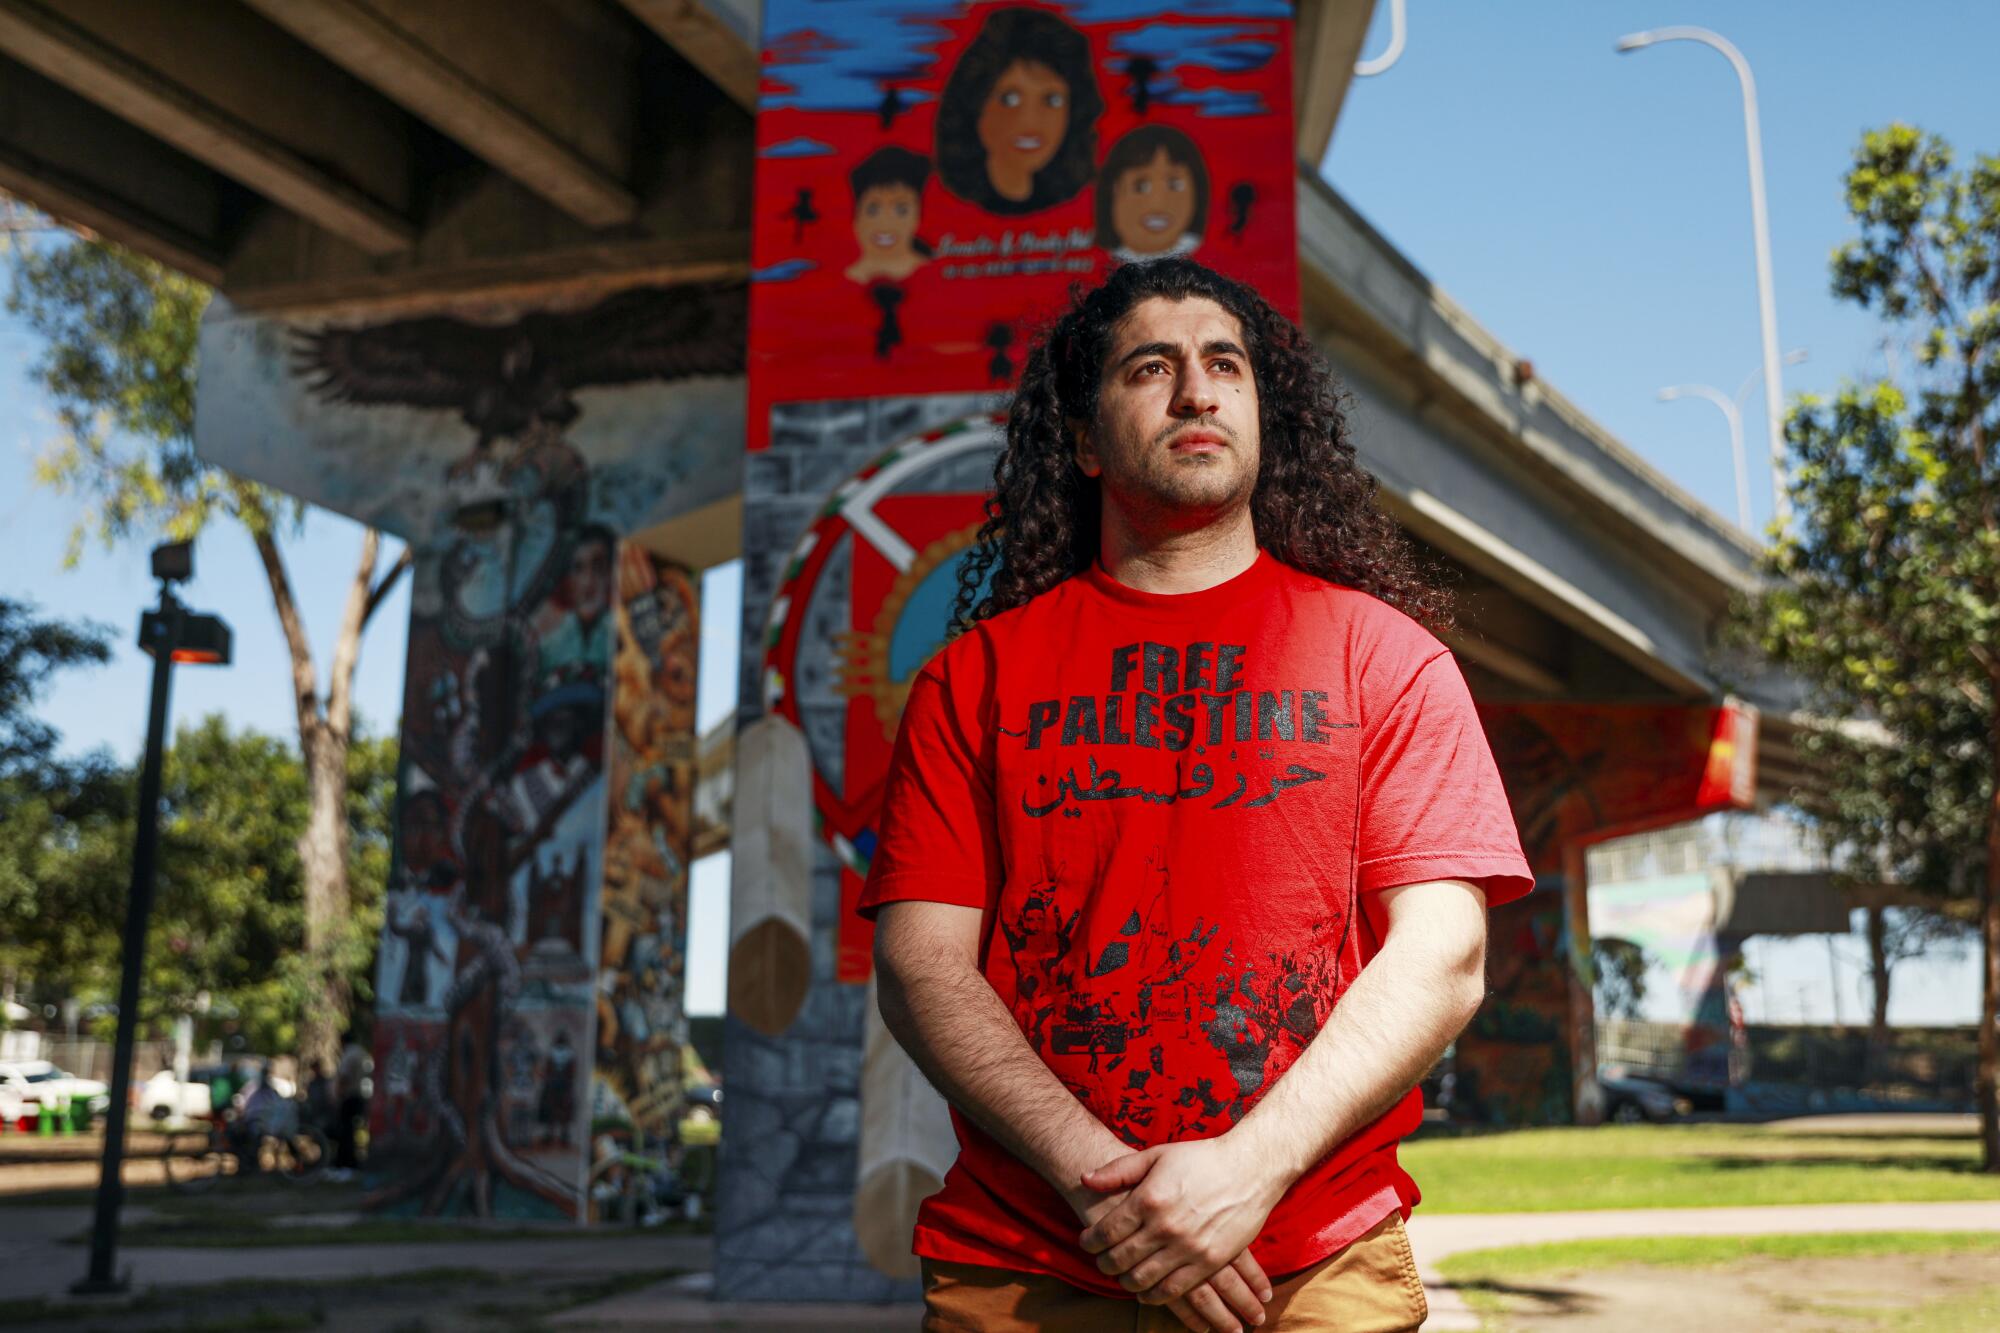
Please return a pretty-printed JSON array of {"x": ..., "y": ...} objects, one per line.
[{"x": 1187, "y": 845}]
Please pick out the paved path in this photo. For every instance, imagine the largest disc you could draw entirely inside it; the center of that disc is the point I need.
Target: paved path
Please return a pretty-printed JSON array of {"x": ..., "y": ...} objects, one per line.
[
  {"x": 1436, "y": 1236},
  {"x": 34, "y": 1263}
]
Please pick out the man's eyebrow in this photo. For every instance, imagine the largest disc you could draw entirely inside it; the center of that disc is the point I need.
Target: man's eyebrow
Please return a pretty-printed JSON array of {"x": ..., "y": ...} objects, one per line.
[
  {"x": 1150, "y": 349},
  {"x": 1214, "y": 347}
]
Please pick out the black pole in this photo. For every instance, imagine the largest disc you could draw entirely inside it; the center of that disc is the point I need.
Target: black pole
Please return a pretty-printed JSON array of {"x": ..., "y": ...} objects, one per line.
[{"x": 165, "y": 632}]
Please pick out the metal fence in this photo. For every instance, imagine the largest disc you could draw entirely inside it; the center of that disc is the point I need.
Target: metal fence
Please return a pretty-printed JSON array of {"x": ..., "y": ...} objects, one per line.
[
  {"x": 87, "y": 1057},
  {"x": 1930, "y": 1066}
]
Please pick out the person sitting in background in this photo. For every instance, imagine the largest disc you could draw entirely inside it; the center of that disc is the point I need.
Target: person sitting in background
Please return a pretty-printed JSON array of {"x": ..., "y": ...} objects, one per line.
[
  {"x": 319, "y": 1097},
  {"x": 350, "y": 1082}
]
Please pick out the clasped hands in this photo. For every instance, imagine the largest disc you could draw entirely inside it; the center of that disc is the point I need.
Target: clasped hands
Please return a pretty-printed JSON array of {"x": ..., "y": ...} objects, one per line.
[{"x": 1173, "y": 1224}]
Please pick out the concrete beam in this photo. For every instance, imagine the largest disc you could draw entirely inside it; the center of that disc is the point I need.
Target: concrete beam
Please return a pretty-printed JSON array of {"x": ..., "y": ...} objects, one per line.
[
  {"x": 85, "y": 167},
  {"x": 460, "y": 68},
  {"x": 141, "y": 87},
  {"x": 1325, "y": 45},
  {"x": 714, "y": 38},
  {"x": 1512, "y": 667},
  {"x": 488, "y": 232}
]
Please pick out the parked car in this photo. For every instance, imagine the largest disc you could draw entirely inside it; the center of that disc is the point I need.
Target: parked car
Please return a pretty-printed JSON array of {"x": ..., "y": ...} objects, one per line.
[
  {"x": 165, "y": 1097},
  {"x": 26, "y": 1085},
  {"x": 1629, "y": 1099}
]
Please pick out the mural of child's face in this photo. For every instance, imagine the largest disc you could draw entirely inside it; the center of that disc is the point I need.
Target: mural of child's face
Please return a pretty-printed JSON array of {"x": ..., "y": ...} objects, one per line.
[
  {"x": 1152, "y": 205},
  {"x": 885, "y": 219},
  {"x": 1022, "y": 125}
]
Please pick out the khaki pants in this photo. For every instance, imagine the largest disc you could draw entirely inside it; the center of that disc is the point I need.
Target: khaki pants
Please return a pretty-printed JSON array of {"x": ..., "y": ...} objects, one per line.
[{"x": 1370, "y": 1287}]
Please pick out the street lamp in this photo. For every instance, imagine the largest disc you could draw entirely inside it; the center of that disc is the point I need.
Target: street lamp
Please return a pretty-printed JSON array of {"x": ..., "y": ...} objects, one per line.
[
  {"x": 1774, "y": 404},
  {"x": 1735, "y": 417},
  {"x": 1398, "y": 33},
  {"x": 170, "y": 633},
  {"x": 1732, "y": 410}
]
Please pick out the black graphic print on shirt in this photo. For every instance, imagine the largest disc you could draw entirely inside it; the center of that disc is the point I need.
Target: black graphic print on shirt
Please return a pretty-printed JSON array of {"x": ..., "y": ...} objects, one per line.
[{"x": 1129, "y": 1005}]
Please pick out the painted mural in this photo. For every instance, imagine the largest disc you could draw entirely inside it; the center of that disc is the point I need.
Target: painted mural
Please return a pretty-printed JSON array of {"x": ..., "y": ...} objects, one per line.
[
  {"x": 855, "y": 521},
  {"x": 649, "y": 837},
  {"x": 933, "y": 176},
  {"x": 1578, "y": 774},
  {"x": 893, "y": 548},
  {"x": 487, "y": 974},
  {"x": 408, "y": 423},
  {"x": 533, "y": 946},
  {"x": 1511, "y": 1065},
  {"x": 1584, "y": 773}
]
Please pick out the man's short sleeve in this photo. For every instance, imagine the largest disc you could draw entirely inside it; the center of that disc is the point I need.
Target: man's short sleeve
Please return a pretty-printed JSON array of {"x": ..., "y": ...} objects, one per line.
[
  {"x": 939, "y": 839},
  {"x": 1432, "y": 806}
]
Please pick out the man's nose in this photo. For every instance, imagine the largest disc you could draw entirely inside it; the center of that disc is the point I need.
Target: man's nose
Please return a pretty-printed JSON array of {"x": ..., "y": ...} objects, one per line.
[{"x": 1196, "y": 394}]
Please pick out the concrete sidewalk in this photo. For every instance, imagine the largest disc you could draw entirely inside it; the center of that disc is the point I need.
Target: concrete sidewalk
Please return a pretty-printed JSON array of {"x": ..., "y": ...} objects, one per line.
[
  {"x": 1437, "y": 1236},
  {"x": 35, "y": 1264}
]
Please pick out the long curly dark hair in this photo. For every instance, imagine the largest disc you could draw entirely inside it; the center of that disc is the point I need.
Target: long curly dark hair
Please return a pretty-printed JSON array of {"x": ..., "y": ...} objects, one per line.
[{"x": 1314, "y": 506}]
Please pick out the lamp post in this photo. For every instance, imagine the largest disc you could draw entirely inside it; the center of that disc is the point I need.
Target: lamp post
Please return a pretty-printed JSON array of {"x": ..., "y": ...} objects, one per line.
[
  {"x": 171, "y": 633},
  {"x": 1735, "y": 417},
  {"x": 1732, "y": 410},
  {"x": 1398, "y": 34},
  {"x": 1767, "y": 310}
]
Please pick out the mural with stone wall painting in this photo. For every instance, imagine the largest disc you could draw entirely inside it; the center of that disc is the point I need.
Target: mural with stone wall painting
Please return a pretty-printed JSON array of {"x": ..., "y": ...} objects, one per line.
[
  {"x": 854, "y": 521},
  {"x": 649, "y": 836},
  {"x": 513, "y": 445}
]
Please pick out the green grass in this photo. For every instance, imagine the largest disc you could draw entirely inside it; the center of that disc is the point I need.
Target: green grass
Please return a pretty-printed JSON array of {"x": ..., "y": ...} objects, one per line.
[
  {"x": 1509, "y": 1263},
  {"x": 1687, "y": 1166}
]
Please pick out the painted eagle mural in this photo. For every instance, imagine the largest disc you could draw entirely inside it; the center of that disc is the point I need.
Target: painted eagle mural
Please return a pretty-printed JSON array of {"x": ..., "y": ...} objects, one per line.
[{"x": 504, "y": 379}]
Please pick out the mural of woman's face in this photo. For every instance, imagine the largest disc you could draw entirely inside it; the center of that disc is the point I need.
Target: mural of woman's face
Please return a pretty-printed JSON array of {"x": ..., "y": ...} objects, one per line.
[
  {"x": 1022, "y": 124},
  {"x": 885, "y": 220},
  {"x": 1152, "y": 205}
]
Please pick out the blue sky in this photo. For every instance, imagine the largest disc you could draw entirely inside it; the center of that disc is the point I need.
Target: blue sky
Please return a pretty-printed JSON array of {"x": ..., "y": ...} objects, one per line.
[{"x": 1590, "y": 209}]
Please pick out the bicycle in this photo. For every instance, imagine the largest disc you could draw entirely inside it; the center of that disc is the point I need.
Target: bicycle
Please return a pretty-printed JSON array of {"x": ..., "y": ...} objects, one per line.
[{"x": 295, "y": 1153}]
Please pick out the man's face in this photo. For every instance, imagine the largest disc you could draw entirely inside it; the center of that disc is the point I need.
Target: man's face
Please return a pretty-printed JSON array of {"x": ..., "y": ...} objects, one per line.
[
  {"x": 1176, "y": 434},
  {"x": 885, "y": 218}
]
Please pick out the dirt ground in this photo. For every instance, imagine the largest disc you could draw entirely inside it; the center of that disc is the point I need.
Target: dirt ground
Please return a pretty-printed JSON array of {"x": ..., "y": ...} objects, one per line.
[
  {"x": 438, "y": 1301},
  {"x": 1939, "y": 1293},
  {"x": 31, "y": 1165}
]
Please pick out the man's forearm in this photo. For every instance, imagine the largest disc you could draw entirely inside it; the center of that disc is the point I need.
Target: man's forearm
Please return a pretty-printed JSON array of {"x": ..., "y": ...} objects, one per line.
[
  {"x": 955, "y": 1027},
  {"x": 1391, "y": 1026}
]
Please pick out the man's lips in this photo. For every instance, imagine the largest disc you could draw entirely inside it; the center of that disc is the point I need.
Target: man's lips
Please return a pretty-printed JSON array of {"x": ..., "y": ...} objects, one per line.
[{"x": 1198, "y": 442}]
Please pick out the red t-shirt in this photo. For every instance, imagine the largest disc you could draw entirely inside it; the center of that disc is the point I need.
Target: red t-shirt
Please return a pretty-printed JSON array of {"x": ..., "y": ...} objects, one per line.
[{"x": 1167, "y": 806}]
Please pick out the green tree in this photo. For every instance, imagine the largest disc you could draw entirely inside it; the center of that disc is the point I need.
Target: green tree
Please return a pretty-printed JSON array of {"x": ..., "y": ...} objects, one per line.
[
  {"x": 36, "y": 788},
  {"x": 118, "y": 362},
  {"x": 31, "y": 651},
  {"x": 229, "y": 921},
  {"x": 1886, "y": 595}
]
